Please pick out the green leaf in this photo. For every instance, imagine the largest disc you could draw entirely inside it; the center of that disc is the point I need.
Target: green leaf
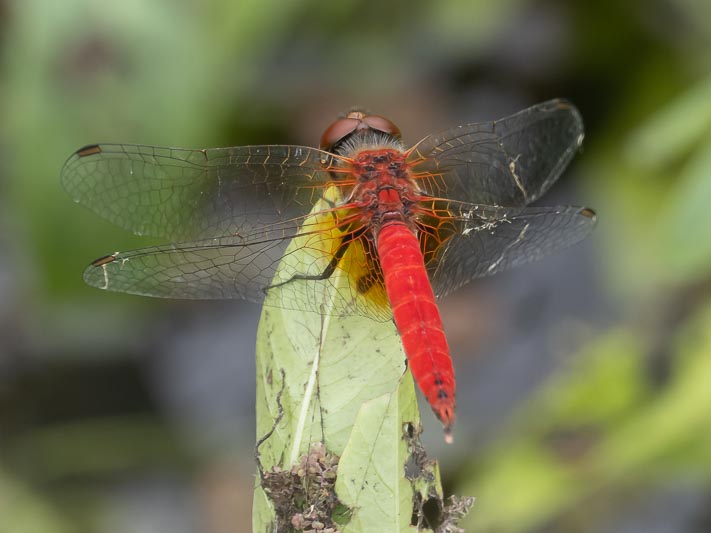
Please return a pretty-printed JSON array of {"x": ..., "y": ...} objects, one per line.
[
  {"x": 687, "y": 218},
  {"x": 680, "y": 131},
  {"x": 674, "y": 129},
  {"x": 371, "y": 478},
  {"x": 561, "y": 457},
  {"x": 21, "y": 509},
  {"x": 340, "y": 381}
]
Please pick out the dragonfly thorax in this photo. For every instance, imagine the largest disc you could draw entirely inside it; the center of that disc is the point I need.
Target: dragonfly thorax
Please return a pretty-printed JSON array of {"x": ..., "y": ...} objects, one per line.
[{"x": 385, "y": 190}]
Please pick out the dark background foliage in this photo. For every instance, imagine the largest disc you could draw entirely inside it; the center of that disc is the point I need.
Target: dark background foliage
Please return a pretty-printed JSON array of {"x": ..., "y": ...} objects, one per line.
[{"x": 584, "y": 380}]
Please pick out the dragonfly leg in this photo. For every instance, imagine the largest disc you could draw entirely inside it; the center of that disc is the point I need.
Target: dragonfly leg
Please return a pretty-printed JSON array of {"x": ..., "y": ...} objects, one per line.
[{"x": 332, "y": 264}]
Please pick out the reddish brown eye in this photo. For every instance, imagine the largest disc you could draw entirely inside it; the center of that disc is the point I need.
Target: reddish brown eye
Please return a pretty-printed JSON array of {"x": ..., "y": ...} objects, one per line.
[
  {"x": 382, "y": 124},
  {"x": 356, "y": 120},
  {"x": 337, "y": 131}
]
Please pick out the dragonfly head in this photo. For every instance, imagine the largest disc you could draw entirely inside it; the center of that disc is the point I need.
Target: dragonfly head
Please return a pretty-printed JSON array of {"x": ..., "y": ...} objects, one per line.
[{"x": 356, "y": 123}]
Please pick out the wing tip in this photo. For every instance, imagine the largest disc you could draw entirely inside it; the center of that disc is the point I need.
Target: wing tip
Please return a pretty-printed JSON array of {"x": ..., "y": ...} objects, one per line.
[
  {"x": 563, "y": 104},
  {"x": 96, "y": 274},
  {"x": 67, "y": 173}
]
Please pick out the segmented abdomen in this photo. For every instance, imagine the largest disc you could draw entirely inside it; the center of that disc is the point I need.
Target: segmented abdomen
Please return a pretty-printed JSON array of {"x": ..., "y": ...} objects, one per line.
[{"x": 417, "y": 317}]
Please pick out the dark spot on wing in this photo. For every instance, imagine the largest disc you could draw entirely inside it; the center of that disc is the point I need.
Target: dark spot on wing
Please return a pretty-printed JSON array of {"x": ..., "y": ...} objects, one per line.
[
  {"x": 587, "y": 212},
  {"x": 92, "y": 149},
  {"x": 103, "y": 260}
]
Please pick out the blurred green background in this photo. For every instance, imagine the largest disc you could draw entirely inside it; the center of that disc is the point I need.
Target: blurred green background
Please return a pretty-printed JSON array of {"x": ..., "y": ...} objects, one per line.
[{"x": 584, "y": 380}]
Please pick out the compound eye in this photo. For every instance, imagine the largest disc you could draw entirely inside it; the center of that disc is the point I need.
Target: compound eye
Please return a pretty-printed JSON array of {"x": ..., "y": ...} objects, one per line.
[
  {"x": 338, "y": 131},
  {"x": 382, "y": 124},
  {"x": 356, "y": 120}
]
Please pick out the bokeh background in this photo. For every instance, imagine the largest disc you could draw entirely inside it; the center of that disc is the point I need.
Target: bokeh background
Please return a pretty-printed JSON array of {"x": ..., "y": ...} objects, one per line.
[{"x": 584, "y": 380}]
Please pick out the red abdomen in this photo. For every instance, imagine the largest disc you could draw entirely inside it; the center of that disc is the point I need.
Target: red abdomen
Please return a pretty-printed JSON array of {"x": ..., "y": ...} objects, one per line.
[{"x": 417, "y": 317}]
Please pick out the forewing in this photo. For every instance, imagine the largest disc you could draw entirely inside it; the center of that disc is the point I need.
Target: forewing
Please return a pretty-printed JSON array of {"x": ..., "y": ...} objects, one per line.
[
  {"x": 509, "y": 162},
  {"x": 485, "y": 240},
  {"x": 190, "y": 194}
]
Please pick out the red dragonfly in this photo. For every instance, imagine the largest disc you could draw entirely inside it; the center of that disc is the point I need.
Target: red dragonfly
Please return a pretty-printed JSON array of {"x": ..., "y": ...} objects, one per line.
[{"x": 403, "y": 225}]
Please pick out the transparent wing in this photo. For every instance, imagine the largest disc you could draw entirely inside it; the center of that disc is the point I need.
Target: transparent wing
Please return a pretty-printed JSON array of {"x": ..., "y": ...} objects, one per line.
[
  {"x": 188, "y": 194},
  {"x": 509, "y": 162},
  {"x": 282, "y": 262},
  {"x": 480, "y": 240}
]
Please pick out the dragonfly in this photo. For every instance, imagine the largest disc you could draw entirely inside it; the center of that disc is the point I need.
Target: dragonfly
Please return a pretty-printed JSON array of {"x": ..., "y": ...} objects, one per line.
[{"x": 285, "y": 224}]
